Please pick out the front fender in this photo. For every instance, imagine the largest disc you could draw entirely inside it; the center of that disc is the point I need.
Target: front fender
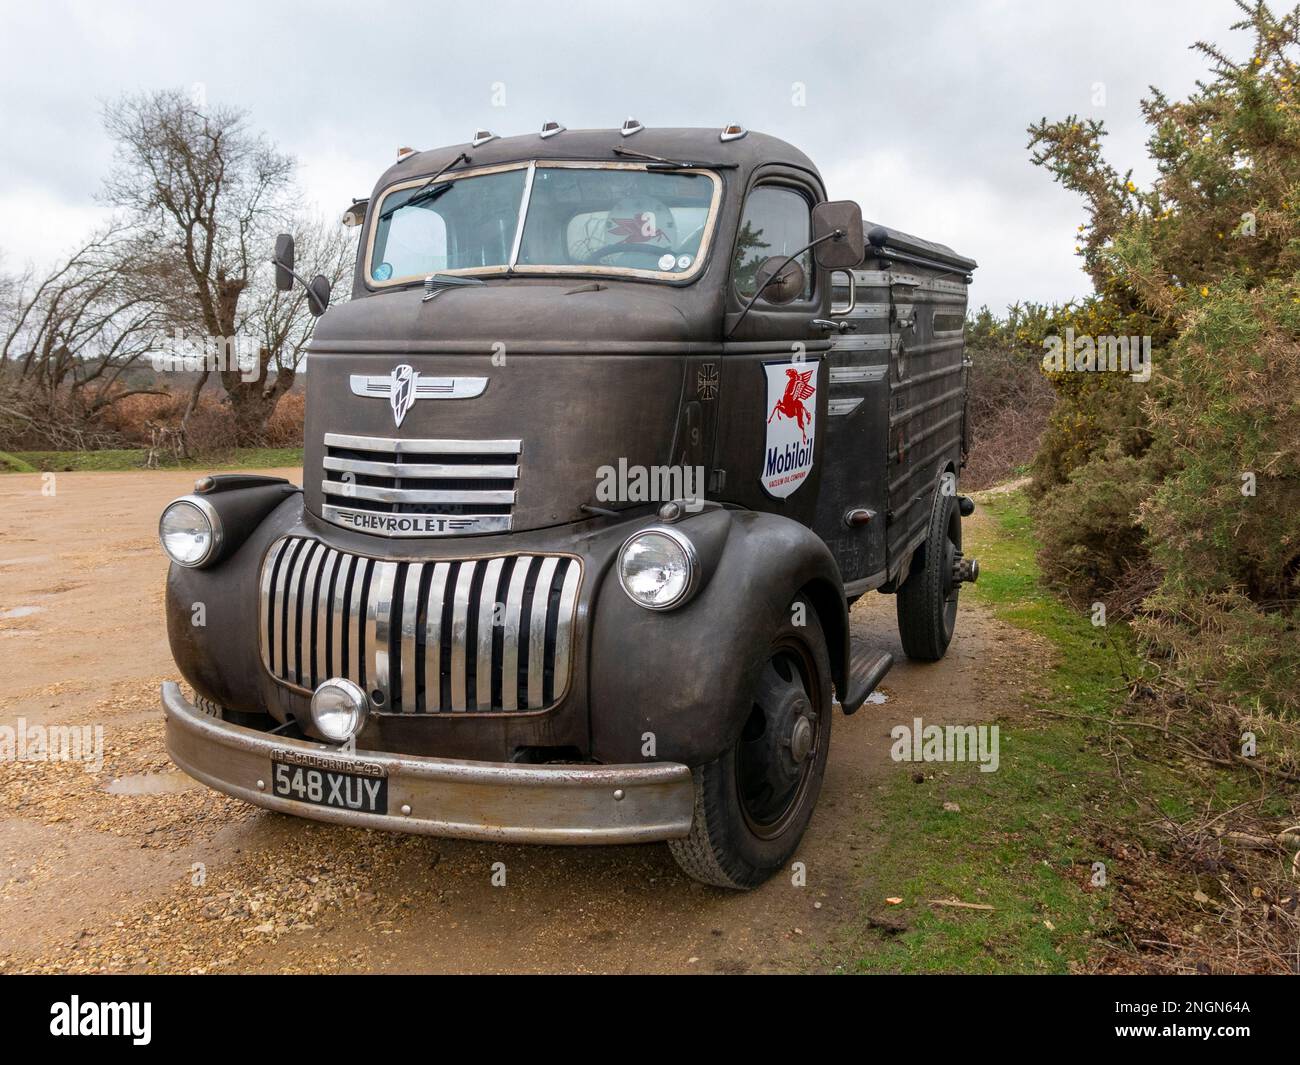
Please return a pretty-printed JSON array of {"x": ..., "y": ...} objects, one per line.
[
  {"x": 687, "y": 676},
  {"x": 213, "y": 619}
]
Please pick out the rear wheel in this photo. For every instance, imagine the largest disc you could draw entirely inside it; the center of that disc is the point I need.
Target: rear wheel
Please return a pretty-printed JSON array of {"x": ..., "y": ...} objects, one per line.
[
  {"x": 753, "y": 804},
  {"x": 927, "y": 601}
]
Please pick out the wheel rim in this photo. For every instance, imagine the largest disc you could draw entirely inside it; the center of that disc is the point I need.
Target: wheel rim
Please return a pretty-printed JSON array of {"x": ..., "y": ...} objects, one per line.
[
  {"x": 951, "y": 586},
  {"x": 781, "y": 740}
]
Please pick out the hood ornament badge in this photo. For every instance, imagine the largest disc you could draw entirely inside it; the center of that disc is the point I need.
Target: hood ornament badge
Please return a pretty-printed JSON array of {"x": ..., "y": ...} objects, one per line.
[
  {"x": 405, "y": 385},
  {"x": 401, "y": 391}
]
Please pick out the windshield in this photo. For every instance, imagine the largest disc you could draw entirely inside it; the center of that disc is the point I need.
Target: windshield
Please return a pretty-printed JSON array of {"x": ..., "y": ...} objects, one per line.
[{"x": 546, "y": 218}]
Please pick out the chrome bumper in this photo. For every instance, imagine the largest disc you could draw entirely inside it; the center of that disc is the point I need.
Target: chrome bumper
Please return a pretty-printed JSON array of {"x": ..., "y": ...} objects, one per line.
[{"x": 503, "y": 801}]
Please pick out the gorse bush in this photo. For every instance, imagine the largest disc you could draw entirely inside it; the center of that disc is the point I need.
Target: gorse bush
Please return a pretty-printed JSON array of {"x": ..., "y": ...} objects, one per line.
[{"x": 1197, "y": 469}]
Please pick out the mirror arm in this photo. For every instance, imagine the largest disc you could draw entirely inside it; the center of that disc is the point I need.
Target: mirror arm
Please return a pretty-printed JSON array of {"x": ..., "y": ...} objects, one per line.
[
  {"x": 311, "y": 296},
  {"x": 834, "y": 234}
]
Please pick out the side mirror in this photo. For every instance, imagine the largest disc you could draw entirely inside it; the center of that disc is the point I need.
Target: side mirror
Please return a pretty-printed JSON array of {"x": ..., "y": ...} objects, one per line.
[
  {"x": 318, "y": 294},
  {"x": 283, "y": 262},
  {"x": 845, "y": 250},
  {"x": 356, "y": 214},
  {"x": 780, "y": 284}
]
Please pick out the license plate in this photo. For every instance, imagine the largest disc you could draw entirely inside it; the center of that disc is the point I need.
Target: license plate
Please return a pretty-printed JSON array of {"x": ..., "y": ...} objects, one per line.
[{"x": 325, "y": 782}]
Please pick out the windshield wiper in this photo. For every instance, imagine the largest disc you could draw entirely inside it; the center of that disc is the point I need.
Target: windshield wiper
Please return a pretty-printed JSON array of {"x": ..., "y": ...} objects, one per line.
[
  {"x": 430, "y": 190},
  {"x": 658, "y": 162},
  {"x": 436, "y": 283}
]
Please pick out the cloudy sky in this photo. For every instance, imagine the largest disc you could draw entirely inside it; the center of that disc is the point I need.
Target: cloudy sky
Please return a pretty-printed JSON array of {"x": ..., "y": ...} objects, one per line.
[{"x": 917, "y": 110}]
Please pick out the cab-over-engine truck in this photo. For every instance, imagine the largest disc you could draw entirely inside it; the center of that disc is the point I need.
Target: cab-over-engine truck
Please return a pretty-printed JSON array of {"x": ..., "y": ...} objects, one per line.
[{"x": 451, "y": 629}]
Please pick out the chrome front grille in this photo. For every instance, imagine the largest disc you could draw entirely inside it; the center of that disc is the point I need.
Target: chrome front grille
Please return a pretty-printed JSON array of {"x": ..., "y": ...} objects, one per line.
[
  {"x": 488, "y": 634},
  {"x": 419, "y": 487}
]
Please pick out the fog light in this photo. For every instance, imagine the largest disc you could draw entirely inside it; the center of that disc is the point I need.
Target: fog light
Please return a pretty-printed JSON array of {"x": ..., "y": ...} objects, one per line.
[
  {"x": 657, "y": 569},
  {"x": 338, "y": 710},
  {"x": 190, "y": 531}
]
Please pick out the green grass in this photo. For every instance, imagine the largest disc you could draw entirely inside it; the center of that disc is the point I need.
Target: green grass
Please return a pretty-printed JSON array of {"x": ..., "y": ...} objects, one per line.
[
  {"x": 1026, "y": 835},
  {"x": 134, "y": 459},
  {"x": 13, "y": 464}
]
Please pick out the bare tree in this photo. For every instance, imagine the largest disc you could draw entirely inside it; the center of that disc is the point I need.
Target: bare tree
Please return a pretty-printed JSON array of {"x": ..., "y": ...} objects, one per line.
[
  {"x": 206, "y": 195},
  {"x": 68, "y": 336}
]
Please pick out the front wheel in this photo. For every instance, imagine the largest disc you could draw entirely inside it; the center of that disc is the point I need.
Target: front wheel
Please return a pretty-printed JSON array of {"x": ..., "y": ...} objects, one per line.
[{"x": 753, "y": 803}]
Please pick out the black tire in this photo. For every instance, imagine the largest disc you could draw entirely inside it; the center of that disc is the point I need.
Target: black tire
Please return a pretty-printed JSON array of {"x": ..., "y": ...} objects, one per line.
[
  {"x": 753, "y": 804},
  {"x": 927, "y": 601},
  {"x": 206, "y": 706}
]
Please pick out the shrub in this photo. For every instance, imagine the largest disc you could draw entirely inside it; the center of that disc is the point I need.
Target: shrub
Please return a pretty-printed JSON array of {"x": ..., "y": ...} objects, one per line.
[{"x": 1206, "y": 262}]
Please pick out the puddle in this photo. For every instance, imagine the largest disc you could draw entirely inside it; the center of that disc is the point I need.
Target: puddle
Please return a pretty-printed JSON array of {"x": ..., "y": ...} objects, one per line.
[
  {"x": 151, "y": 784},
  {"x": 20, "y": 612}
]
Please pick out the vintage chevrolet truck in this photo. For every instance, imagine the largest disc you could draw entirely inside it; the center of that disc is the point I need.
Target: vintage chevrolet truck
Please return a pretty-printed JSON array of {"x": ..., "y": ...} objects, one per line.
[{"x": 614, "y": 429}]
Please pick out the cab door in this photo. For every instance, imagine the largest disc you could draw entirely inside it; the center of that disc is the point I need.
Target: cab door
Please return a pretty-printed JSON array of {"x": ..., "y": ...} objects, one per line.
[
  {"x": 851, "y": 512},
  {"x": 769, "y": 447}
]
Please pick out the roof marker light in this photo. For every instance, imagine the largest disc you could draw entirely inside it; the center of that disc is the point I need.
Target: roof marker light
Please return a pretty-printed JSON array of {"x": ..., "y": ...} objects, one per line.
[
  {"x": 732, "y": 133},
  {"x": 630, "y": 126},
  {"x": 404, "y": 153},
  {"x": 481, "y": 137},
  {"x": 550, "y": 129}
]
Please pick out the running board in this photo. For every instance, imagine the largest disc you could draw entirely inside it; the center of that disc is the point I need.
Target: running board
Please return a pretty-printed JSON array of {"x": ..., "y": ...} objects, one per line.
[{"x": 867, "y": 668}]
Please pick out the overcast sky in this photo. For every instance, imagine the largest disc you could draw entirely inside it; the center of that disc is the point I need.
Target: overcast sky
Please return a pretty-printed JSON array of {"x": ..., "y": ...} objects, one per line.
[{"x": 917, "y": 109}]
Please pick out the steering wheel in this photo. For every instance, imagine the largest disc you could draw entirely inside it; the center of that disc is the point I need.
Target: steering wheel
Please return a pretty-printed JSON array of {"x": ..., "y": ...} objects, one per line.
[
  {"x": 611, "y": 249},
  {"x": 692, "y": 240}
]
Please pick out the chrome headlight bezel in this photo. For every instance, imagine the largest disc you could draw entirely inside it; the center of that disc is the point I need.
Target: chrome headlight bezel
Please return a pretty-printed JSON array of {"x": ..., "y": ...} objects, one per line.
[
  {"x": 216, "y": 536},
  {"x": 689, "y": 555}
]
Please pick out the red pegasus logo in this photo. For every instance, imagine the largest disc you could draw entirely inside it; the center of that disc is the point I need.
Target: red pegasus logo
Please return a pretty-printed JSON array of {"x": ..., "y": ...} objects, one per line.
[
  {"x": 791, "y": 405},
  {"x": 637, "y": 230}
]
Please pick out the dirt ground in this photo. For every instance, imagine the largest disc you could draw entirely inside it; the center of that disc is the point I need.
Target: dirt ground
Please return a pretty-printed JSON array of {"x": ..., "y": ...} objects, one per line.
[{"x": 131, "y": 866}]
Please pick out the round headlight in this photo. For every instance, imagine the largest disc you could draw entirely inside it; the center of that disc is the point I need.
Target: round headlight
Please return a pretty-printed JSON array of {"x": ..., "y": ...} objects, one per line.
[
  {"x": 190, "y": 531},
  {"x": 338, "y": 709},
  {"x": 657, "y": 569}
]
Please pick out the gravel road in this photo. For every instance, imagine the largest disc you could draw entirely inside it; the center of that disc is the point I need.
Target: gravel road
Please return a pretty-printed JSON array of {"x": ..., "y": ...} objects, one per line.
[{"x": 128, "y": 865}]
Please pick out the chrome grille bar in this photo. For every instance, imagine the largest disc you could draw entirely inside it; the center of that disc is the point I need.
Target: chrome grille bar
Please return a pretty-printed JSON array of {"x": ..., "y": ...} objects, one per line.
[
  {"x": 269, "y": 618},
  {"x": 510, "y": 634},
  {"x": 409, "y": 629},
  {"x": 460, "y": 635},
  {"x": 352, "y": 490},
  {"x": 433, "y": 638},
  {"x": 537, "y": 631},
  {"x": 487, "y": 608},
  {"x": 402, "y": 446},
  {"x": 423, "y": 470},
  {"x": 379, "y": 623}
]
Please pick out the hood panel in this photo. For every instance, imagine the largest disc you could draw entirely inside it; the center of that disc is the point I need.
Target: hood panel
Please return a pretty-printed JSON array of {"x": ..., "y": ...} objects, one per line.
[
  {"x": 525, "y": 313},
  {"x": 570, "y": 413}
]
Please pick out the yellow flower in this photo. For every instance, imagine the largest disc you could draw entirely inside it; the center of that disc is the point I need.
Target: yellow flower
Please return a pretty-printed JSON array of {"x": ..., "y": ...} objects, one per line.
[
  {"x": 1204, "y": 291},
  {"x": 1132, "y": 187}
]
